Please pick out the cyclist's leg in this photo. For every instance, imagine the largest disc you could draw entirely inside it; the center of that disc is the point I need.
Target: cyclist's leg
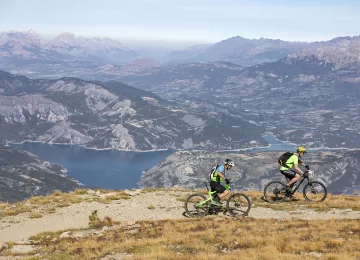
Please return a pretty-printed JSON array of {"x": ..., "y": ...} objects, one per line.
[
  {"x": 222, "y": 192},
  {"x": 212, "y": 189},
  {"x": 293, "y": 176}
]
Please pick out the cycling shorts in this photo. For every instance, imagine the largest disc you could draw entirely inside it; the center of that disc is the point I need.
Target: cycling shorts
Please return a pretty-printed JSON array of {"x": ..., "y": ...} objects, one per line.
[
  {"x": 290, "y": 174},
  {"x": 215, "y": 186}
]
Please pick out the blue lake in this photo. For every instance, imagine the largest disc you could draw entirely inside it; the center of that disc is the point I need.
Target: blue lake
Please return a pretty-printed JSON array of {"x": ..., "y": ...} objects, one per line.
[
  {"x": 108, "y": 169},
  {"x": 112, "y": 169}
]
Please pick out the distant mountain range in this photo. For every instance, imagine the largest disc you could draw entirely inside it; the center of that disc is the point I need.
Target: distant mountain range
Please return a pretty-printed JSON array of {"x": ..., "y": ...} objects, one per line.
[
  {"x": 249, "y": 52},
  {"x": 20, "y": 48},
  {"x": 115, "y": 116},
  {"x": 311, "y": 98}
]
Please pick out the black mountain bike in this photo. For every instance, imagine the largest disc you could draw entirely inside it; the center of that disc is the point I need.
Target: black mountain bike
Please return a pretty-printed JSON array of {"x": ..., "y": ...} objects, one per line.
[
  {"x": 198, "y": 205},
  {"x": 313, "y": 191}
]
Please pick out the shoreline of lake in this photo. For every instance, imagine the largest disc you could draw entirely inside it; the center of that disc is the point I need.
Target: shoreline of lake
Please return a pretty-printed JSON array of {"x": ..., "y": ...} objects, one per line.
[
  {"x": 286, "y": 144},
  {"x": 122, "y": 169}
]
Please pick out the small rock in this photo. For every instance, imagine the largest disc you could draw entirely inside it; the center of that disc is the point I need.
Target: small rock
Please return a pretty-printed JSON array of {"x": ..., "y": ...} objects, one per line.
[
  {"x": 65, "y": 234},
  {"x": 315, "y": 254},
  {"x": 22, "y": 242},
  {"x": 98, "y": 193},
  {"x": 129, "y": 223},
  {"x": 21, "y": 249},
  {"x": 90, "y": 191},
  {"x": 105, "y": 228},
  {"x": 132, "y": 192},
  {"x": 3, "y": 246},
  {"x": 54, "y": 240},
  {"x": 116, "y": 256},
  {"x": 79, "y": 234}
]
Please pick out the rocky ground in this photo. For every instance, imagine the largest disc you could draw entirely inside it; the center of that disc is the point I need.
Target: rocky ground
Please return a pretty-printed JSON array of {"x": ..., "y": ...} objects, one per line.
[{"x": 142, "y": 205}]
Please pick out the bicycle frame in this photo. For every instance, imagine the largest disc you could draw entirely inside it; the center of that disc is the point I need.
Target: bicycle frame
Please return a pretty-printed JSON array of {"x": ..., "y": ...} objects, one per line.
[
  {"x": 210, "y": 194},
  {"x": 299, "y": 182}
]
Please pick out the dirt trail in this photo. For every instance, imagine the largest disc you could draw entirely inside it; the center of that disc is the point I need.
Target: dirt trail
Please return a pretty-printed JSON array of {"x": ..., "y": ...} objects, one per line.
[{"x": 145, "y": 206}]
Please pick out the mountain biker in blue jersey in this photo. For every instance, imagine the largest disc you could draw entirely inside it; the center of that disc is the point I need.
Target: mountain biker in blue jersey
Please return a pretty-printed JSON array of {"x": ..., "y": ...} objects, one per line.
[
  {"x": 218, "y": 176},
  {"x": 293, "y": 174}
]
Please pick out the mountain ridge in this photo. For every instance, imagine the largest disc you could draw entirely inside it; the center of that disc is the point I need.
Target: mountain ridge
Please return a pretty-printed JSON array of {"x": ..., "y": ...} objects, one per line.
[{"x": 112, "y": 115}]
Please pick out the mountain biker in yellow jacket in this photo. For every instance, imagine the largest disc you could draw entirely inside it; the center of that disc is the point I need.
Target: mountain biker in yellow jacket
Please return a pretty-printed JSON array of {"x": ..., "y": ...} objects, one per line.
[
  {"x": 292, "y": 170},
  {"x": 217, "y": 177}
]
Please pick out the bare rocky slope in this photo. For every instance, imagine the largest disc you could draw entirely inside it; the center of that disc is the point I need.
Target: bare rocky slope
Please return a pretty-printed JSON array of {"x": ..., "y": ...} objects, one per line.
[
  {"x": 337, "y": 170},
  {"x": 23, "y": 174},
  {"x": 114, "y": 115}
]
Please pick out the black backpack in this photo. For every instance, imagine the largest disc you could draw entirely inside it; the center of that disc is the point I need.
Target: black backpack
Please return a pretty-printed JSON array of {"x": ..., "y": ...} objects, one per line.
[
  {"x": 283, "y": 159},
  {"x": 213, "y": 169}
]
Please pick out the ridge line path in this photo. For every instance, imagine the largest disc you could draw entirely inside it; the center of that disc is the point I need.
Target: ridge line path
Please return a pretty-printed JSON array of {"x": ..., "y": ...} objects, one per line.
[{"x": 155, "y": 205}]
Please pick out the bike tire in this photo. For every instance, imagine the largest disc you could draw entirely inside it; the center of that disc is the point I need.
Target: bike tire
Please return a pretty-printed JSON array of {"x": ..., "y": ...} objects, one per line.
[
  {"x": 191, "y": 201},
  {"x": 310, "y": 186},
  {"x": 238, "y": 204},
  {"x": 273, "y": 196}
]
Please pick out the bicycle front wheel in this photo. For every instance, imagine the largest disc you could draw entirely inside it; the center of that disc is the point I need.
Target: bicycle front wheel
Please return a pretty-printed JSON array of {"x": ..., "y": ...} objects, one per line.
[
  {"x": 275, "y": 192},
  {"x": 315, "y": 192},
  {"x": 238, "y": 204},
  {"x": 196, "y": 205}
]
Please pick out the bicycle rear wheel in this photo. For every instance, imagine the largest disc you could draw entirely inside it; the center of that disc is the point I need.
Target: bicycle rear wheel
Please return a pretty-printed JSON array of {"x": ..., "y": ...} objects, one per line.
[
  {"x": 238, "y": 204},
  {"x": 315, "y": 192},
  {"x": 274, "y": 192},
  {"x": 196, "y": 205}
]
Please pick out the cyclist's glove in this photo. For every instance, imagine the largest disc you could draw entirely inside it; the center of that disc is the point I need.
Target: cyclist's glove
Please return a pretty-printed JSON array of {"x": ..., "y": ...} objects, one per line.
[
  {"x": 307, "y": 167},
  {"x": 227, "y": 181}
]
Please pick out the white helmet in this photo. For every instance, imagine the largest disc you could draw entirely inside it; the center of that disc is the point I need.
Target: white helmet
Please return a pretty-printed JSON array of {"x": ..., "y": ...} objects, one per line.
[{"x": 229, "y": 162}]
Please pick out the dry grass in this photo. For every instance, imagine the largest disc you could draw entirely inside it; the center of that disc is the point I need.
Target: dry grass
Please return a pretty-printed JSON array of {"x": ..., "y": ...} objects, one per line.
[
  {"x": 15, "y": 209},
  {"x": 35, "y": 215},
  {"x": 49, "y": 204},
  {"x": 96, "y": 222},
  {"x": 210, "y": 238}
]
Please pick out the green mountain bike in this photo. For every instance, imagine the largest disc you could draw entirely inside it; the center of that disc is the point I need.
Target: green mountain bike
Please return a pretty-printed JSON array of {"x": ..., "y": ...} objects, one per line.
[
  {"x": 313, "y": 191},
  {"x": 198, "y": 205}
]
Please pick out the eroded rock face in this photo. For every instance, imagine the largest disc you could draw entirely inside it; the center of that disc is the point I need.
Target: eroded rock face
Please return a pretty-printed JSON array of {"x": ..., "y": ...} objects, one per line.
[
  {"x": 112, "y": 115},
  {"x": 23, "y": 174},
  {"x": 337, "y": 170}
]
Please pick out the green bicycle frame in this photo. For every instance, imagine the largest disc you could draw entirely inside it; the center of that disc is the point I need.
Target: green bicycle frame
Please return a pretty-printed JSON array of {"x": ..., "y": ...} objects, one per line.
[{"x": 210, "y": 193}]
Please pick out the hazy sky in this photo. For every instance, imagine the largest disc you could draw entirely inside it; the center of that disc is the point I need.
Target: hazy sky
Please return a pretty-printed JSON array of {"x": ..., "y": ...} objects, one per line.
[{"x": 185, "y": 20}]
